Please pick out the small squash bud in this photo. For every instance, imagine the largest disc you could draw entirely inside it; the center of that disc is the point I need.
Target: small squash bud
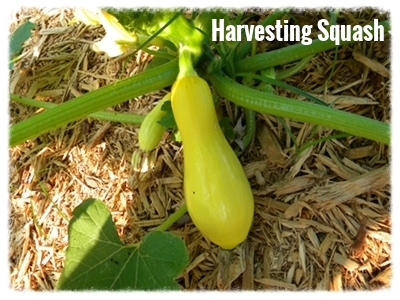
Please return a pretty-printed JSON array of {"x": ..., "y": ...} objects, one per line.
[{"x": 151, "y": 131}]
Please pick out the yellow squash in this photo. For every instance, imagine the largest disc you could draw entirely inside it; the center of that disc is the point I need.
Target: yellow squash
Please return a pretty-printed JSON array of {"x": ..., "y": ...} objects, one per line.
[{"x": 217, "y": 192}]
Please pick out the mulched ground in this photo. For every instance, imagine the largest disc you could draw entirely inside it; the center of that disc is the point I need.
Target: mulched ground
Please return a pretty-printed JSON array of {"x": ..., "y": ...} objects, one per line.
[{"x": 322, "y": 217}]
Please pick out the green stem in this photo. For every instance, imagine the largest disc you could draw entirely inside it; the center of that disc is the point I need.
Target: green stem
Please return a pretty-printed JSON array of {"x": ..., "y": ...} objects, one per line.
[
  {"x": 289, "y": 54},
  {"x": 299, "y": 110},
  {"x": 250, "y": 129},
  {"x": 293, "y": 70},
  {"x": 283, "y": 85},
  {"x": 101, "y": 115},
  {"x": 172, "y": 218},
  {"x": 273, "y": 17},
  {"x": 185, "y": 63},
  {"x": 327, "y": 138},
  {"x": 144, "y": 40},
  {"x": 155, "y": 36},
  {"x": 80, "y": 107}
]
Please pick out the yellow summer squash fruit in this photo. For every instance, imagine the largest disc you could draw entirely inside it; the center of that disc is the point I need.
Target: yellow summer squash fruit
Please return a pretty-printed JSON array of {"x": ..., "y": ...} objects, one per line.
[{"x": 217, "y": 193}]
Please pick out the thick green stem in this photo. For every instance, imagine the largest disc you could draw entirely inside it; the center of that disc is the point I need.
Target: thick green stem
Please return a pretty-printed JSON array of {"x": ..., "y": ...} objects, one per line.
[
  {"x": 127, "y": 118},
  {"x": 185, "y": 63},
  {"x": 112, "y": 94},
  {"x": 303, "y": 111},
  {"x": 289, "y": 54}
]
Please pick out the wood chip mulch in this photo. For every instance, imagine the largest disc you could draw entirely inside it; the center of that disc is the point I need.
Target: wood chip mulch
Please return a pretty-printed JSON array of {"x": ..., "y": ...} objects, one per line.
[{"x": 323, "y": 215}]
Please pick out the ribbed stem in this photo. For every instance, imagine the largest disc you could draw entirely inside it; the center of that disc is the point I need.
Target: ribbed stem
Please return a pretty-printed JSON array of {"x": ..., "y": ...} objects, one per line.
[
  {"x": 289, "y": 54},
  {"x": 112, "y": 94},
  {"x": 299, "y": 110},
  {"x": 127, "y": 118}
]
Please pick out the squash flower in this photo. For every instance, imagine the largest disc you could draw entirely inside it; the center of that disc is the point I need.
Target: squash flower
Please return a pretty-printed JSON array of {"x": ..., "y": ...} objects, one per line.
[{"x": 116, "y": 41}]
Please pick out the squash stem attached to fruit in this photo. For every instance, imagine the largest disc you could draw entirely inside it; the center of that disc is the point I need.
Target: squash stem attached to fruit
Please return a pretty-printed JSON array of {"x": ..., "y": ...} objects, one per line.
[{"x": 185, "y": 63}]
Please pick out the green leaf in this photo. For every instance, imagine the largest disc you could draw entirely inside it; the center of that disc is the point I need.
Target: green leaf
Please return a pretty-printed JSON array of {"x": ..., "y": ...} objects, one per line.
[
  {"x": 96, "y": 259},
  {"x": 227, "y": 128},
  {"x": 20, "y": 35},
  {"x": 159, "y": 58},
  {"x": 168, "y": 121}
]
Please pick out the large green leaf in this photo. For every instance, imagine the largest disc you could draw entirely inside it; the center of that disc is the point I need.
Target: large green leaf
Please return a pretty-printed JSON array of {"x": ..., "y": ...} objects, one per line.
[{"x": 97, "y": 260}]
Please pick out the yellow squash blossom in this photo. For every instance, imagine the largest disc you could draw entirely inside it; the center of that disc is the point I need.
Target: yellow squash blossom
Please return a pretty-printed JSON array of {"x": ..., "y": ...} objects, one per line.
[{"x": 116, "y": 41}]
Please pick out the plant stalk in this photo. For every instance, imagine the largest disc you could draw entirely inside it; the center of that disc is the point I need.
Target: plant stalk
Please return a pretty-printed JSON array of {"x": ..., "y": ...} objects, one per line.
[
  {"x": 97, "y": 100},
  {"x": 127, "y": 118},
  {"x": 172, "y": 218},
  {"x": 290, "y": 54},
  {"x": 299, "y": 110}
]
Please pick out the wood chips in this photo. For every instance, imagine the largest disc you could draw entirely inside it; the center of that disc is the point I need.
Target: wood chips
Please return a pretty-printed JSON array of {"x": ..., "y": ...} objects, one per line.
[{"x": 323, "y": 215}]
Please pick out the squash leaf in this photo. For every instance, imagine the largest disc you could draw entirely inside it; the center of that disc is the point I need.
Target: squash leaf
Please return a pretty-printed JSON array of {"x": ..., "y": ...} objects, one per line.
[
  {"x": 227, "y": 128},
  {"x": 96, "y": 259},
  {"x": 168, "y": 120}
]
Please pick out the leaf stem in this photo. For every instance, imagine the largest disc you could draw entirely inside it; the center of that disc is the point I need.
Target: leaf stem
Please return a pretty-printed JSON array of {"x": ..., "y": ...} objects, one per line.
[
  {"x": 290, "y": 54},
  {"x": 300, "y": 110},
  {"x": 127, "y": 118},
  {"x": 250, "y": 129},
  {"x": 80, "y": 107},
  {"x": 273, "y": 17},
  {"x": 295, "y": 69},
  {"x": 172, "y": 218}
]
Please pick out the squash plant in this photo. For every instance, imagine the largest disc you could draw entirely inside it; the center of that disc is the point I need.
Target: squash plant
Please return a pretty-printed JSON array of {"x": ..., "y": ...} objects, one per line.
[{"x": 190, "y": 63}]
